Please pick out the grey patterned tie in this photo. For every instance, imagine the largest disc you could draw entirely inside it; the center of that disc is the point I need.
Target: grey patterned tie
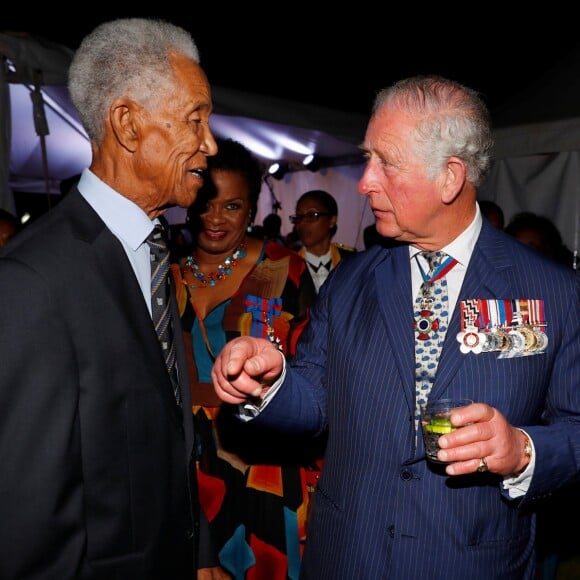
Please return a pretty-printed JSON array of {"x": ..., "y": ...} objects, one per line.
[
  {"x": 431, "y": 317},
  {"x": 160, "y": 302}
]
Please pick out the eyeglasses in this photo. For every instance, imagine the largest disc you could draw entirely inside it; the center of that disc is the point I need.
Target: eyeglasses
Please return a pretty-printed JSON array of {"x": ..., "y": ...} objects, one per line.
[{"x": 311, "y": 216}]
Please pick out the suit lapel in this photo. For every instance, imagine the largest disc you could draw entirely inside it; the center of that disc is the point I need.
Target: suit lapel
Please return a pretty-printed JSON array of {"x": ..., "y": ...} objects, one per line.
[
  {"x": 484, "y": 279},
  {"x": 393, "y": 279},
  {"x": 116, "y": 273}
]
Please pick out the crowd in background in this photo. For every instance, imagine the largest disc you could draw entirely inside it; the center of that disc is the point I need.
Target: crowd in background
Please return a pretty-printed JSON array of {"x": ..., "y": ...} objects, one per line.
[
  {"x": 533, "y": 229},
  {"x": 537, "y": 231}
]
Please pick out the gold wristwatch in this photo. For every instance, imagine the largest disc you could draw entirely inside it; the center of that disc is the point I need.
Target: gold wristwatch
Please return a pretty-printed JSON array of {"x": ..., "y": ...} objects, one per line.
[{"x": 528, "y": 449}]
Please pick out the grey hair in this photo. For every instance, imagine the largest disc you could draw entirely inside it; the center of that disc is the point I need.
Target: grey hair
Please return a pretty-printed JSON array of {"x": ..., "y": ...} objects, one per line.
[
  {"x": 452, "y": 121},
  {"x": 128, "y": 57}
]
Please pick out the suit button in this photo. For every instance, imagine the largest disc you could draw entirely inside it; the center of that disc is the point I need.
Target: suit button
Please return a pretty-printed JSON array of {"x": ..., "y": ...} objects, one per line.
[
  {"x": 392, "y": 531},
  {"x": 406, "y": 475},
  {"x": 189, "y": 534}
]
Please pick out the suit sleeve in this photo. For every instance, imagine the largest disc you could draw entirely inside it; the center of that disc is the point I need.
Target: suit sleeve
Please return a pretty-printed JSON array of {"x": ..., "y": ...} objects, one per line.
[{"x": 41, "y": 529}]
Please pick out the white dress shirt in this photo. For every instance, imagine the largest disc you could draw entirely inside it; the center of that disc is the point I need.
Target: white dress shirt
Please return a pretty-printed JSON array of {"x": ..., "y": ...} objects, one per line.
[{"x": 317, "y": 267}]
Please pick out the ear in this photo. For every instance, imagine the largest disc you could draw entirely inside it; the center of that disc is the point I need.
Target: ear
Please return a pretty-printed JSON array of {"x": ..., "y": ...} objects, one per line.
[
  {"x": 124, "y": 116},
  {"x": 453, "y": 179}
]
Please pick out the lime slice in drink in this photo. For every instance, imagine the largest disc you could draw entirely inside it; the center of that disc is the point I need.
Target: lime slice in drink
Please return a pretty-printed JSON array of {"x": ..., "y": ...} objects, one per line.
[{"x": 439, "y": 425}]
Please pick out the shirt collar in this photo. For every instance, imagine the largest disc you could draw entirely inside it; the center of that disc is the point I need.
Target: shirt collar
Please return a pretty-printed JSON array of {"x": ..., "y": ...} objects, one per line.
[
  {"x": 462, "y": 246},
  {"x": 122, "y": 216},
  {"x": 317, "y": 259}
]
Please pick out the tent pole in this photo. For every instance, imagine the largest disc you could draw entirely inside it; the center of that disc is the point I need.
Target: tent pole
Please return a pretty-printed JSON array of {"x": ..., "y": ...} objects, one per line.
[{"x": 41, "y": 126}]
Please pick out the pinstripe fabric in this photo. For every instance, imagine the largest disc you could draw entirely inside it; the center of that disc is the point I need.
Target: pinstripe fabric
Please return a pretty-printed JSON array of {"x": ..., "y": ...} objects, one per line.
[
  {"x": 160, "y": 302},
  {"x": 380, "y": 511}
]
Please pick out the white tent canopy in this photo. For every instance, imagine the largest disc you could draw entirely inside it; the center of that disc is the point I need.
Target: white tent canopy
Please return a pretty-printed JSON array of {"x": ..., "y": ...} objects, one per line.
[{"x": 537, "y": 150}]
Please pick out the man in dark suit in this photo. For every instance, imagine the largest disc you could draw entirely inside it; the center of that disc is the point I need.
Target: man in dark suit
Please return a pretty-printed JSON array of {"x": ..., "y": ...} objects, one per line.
[
  {"x": 97, "y": 458},
  {"x": 512, "y": 345}
]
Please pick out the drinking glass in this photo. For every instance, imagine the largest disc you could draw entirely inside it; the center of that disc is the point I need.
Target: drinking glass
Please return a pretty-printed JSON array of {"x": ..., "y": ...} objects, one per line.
[{"x": 435, "y": 422}]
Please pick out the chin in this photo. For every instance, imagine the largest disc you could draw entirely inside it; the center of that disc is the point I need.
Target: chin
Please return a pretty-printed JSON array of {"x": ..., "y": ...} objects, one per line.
[
  {"x": 184, "y": 200},
  {"x": 387, "y": 230}
]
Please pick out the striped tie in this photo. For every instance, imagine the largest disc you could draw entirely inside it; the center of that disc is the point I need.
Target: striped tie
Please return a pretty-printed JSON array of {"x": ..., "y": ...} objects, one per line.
[{"x": 160, "y": 306}]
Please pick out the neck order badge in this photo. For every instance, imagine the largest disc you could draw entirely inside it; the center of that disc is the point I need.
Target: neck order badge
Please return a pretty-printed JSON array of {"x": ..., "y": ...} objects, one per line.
[{"x": 431, "y": 314}]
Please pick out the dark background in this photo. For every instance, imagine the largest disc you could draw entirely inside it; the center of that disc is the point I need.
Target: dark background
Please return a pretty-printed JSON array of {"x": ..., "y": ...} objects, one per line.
[{"x": 340, "y": 59}]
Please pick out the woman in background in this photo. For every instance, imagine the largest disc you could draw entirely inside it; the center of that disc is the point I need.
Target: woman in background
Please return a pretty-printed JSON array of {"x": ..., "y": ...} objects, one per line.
[{"x": 253, "y": 484}]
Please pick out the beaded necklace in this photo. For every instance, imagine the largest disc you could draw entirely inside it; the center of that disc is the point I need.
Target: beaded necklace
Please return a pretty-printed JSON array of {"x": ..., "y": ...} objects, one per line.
[{"x": 223, "y": 270}]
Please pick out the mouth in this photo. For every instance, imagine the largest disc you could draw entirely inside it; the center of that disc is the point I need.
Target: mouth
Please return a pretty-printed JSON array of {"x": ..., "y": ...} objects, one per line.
[
  {"x": 377, "y": 212},
  {"x": 214, "y": 235},
  {"x": 200, "y": 173}
]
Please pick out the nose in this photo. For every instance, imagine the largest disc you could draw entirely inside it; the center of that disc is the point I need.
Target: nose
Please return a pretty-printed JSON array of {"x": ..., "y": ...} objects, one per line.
[
  {"x": 364, "y": 184},
  {"x": 208, "y": 144},
  {"x": 213, "y": 214}
]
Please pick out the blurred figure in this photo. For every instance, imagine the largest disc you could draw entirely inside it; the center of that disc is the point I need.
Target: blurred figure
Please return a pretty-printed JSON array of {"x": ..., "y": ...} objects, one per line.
[
  {"x": 540, "y": 233},
  {"x": 68, "y": 183},
  {"x": 315, "y": 223},
  {"x": 272, "y": 227},
  {"x": 9, "y": 227},
  {"x": 493, "y": 212},
  {"x": 372, "y": 237},
  {"x": 293, "y": 241},
  {"x": 179, "y": 240}
]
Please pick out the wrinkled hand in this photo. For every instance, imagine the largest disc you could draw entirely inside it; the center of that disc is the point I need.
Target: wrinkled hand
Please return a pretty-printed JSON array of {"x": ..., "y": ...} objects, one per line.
[
  {"x": 217, "y": 573},
  {"x": 489, "y": 436},
  {"x": 245, "y": 368}
]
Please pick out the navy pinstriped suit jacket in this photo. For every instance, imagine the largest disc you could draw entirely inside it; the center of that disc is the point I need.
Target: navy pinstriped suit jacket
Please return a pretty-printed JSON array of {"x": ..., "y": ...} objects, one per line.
[{"x": 380, "y": 511}]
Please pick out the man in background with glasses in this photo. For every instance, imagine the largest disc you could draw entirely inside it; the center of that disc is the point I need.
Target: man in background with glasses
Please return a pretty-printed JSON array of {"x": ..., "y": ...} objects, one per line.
[{"x": 315, "y": 223}]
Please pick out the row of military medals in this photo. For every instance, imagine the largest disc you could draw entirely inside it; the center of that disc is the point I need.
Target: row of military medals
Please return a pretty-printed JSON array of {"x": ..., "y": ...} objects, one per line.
[{"x": 512, "y": 327}]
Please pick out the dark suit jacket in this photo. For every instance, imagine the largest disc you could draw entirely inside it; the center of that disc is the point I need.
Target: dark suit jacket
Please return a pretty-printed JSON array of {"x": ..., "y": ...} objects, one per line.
[
  {"x": 380, "y": 510},
  {"x": 97, "y": 466}
]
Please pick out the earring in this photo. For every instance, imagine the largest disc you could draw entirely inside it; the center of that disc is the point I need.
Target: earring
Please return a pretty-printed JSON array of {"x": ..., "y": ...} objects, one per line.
[{"x": 249, "y": 229}]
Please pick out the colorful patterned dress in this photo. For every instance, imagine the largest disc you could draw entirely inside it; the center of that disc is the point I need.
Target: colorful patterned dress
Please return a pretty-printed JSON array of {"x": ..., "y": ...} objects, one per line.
[{"x": 253, "y": 484}]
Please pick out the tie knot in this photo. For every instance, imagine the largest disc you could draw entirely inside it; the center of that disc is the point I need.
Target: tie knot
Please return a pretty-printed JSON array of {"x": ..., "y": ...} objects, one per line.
[
  {"x": 157, "y": 241},
  {"x": 434, "y": 259}
]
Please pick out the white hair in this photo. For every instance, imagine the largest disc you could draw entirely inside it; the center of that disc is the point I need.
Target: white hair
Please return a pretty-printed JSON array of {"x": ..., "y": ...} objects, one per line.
[
  {"x": 452, "y": 121},
  {"x": 128, "y": 57}
]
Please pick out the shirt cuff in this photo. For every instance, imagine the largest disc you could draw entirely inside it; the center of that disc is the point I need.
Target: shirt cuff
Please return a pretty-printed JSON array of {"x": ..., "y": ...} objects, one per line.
[
  {"x": 517, "y": 486},
  {"x": 254, "y": 406}
]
